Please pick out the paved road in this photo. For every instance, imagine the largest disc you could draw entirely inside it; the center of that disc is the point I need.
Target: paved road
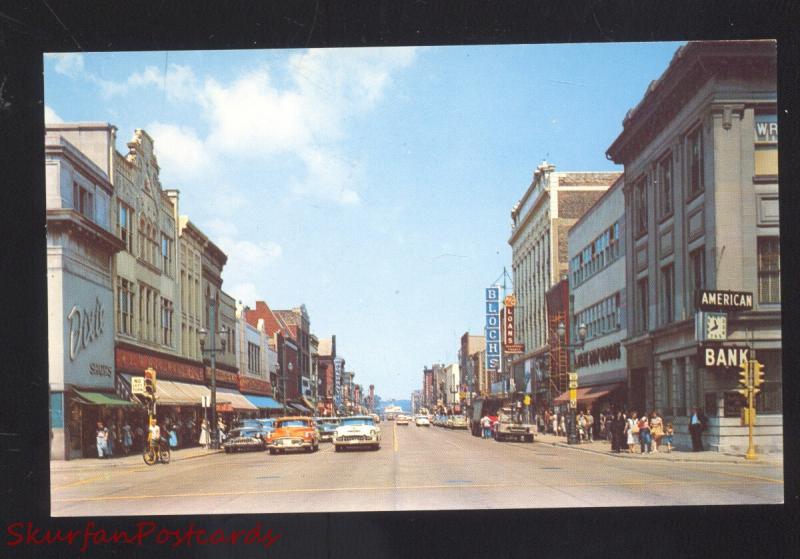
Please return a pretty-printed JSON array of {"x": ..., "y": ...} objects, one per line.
[{"x": 415, "y": 469}]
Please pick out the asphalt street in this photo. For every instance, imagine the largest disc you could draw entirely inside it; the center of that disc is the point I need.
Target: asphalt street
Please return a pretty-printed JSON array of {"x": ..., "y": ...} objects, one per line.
[{"x": 416, "y": 468}]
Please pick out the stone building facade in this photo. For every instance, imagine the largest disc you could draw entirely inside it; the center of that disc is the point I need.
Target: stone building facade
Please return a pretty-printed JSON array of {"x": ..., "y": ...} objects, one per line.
[
  {"x": 701, "y": 201},
  {"x": 541, "y": 220}
]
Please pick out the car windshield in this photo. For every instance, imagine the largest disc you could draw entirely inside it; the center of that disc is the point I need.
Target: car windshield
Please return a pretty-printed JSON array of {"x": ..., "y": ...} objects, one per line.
[
  {"x": 293, "y": 423},
  {"x": 244, "y": 433},
  {"x": 327, "y": 422},
  {"x": 504, "y": 416},
  {"x": 357, "y": 421}
]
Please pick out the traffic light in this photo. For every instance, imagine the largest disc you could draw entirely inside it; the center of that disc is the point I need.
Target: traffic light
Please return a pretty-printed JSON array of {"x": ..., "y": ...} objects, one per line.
[
  {"x": 150, "y": 383},
  {"x": 758, "y": 373},
  {"x": 744, "y": 379}
]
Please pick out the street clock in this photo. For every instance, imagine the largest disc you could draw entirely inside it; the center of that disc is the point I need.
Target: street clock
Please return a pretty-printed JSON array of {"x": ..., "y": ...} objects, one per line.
[{"x": 716, "y": 326}]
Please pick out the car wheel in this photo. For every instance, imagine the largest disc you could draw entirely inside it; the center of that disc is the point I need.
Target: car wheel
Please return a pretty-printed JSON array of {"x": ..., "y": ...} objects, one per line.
[
  {"x": 337, "y": 448},
  {"x": 272, "y": 451},
  {"x": 529, "y": 438},
  {"x": 227, "y": 451}
]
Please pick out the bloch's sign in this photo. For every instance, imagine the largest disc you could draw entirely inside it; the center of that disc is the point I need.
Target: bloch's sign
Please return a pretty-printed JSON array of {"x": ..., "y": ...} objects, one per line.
[
  {"x": 493, "y": 328},
  {"x": 724, "y": 301}
]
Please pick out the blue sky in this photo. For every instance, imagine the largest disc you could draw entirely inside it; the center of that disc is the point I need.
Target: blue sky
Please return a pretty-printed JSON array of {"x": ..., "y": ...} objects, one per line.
[{"x": 373, "y": 185}]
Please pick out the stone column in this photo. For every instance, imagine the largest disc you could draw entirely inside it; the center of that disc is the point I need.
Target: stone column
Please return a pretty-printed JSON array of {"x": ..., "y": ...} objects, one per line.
[
  {"x": 692, "y": 398},
  {"x": 660, "y": 382}
]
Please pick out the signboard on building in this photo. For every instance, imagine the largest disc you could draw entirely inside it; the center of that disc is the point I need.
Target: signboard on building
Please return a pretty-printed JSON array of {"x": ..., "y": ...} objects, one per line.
[
  {"x": 137, "y": 385},
  {"x": 493, "y": 328},
  {"x": 716, "y": 356},
  {"x": 510, "y": 302},
  {"x": 724, "y": 301}
]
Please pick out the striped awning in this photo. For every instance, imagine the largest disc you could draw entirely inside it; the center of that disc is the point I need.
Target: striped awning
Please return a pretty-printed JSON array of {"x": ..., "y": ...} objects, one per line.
[{"x": 237, "y": 400}]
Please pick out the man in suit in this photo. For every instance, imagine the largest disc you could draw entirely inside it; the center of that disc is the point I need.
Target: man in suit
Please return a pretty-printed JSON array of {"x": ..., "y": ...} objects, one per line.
[{"x": 697, "y": 424}]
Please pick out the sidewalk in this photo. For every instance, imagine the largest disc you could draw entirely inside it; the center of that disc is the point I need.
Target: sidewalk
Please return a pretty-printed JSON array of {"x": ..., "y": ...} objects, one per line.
[
  {"x": 604, "y": 447},
  {"x": 132, "y": 460}
]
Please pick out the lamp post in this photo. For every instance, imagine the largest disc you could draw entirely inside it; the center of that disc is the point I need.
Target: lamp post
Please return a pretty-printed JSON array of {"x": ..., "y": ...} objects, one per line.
[
  {"x": 212, "y": 353},
  {"x": 561, "y": 331}
]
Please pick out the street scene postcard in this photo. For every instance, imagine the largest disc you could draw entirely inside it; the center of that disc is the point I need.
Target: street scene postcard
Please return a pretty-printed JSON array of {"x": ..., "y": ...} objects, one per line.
[{"x": 413, "y": 278}]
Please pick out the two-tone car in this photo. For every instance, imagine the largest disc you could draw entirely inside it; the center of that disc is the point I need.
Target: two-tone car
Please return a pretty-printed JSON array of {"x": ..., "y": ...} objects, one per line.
[
  {"x": 327, "y": 427},
  {"x": 245, "y": 438},
  {"x": 401, "y": 420},
  {"x": 293, "y": 433},
  {"x": 357, "y": 431},
  {"x": 422, "y": 421}
]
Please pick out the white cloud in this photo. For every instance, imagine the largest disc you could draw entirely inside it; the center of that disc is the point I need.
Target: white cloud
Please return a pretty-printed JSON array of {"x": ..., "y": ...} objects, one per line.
[
  {"x": 180, "y": 151},
  {"x": 328, "y": 177},
  {"x": 180, "y": 83},
  {"x": 68, "y": 63},
  {"x": 244, "y": 292},
  {"x": 50, "y": 116}
]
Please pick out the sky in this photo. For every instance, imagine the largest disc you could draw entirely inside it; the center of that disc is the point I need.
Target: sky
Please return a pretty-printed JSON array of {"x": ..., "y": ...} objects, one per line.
[{"x": 373, "y": 185}]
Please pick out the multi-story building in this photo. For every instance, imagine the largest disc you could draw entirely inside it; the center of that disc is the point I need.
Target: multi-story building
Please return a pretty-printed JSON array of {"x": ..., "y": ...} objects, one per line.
[
  {"x": 541, "y": 219},
  {"x": 477, "y": 363},
  {"x": 313, "y": 351},
  {"x": 326, "y": 373},
  {"x": 296, "y": 321},
  {"x": 597, "y": 299},
  {"x": 428, "y": 390},
  {"x": 470, "y": 344},
  {"x": 701, "y": 205},
  {"x": 81, "y": 244},
  {"x": 256, "y": 363},
  {"x": 452, "y": 387}
]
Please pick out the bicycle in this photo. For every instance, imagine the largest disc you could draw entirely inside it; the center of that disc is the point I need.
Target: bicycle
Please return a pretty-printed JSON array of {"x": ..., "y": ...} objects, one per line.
[{"x": 155, "y": 453}]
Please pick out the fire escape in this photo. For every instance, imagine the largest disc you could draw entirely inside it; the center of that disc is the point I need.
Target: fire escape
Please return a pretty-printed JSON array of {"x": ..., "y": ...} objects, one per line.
[{"x": 559, "y": 364}]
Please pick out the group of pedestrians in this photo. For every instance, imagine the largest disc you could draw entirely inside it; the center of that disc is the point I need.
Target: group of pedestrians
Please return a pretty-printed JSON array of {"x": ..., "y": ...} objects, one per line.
[
  {"x": 113, "y": 439},
  {"x": 648, "y": 432}
]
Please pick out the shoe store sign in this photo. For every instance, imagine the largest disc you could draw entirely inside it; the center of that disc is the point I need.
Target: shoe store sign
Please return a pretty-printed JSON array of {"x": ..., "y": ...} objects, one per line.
[{"x": 85, "y": 326}]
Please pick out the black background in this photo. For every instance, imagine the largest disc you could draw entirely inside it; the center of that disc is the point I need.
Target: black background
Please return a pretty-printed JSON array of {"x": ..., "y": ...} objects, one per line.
[{"x": 29, "y": 28}]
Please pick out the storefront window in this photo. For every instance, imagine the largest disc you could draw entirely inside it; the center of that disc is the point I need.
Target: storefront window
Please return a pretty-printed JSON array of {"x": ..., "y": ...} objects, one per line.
[
  {"x": 766, "y": 145},
  {"x": 769, "y": 399}
]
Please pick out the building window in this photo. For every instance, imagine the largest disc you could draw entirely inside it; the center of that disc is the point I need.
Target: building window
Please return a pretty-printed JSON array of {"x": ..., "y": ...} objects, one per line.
[
  {"x": 668, "y": 294},
  {"x": 124, "y": 222},
  {"x": 82, "y": 201},
  {"x": 769, "y": 270},
  {"x": 166, "y": 254},
  {"x": 697, "y": 278},
  {"x": 253, "y": 358},
  {"x": 664, "y": 184},
  {"x": 124, "y": 307},
  {"x": 640, "y": 206},
  {"x": 642, "y": 304},
  {"x": 766, "y": 145},
  {"x": 694, "y": 147},
  {"x": 166, "y": 322},
  {"x": 769, "y": 400}
]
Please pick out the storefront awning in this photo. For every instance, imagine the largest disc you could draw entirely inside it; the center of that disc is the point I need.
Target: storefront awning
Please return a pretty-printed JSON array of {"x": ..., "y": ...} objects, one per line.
[
  {"x": 237, "y": 400},
  {"x": 299, "y": 407},
  {"x": 588, "y": 394},
  {"x": 175, "y": 393},
  {"x": 100, "y": 399},
  {"x": 264, "y": 402}
]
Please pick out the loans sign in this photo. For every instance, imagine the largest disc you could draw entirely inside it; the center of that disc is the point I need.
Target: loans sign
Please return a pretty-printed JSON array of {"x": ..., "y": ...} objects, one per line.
[
  {"x": 724, "y": 301},
  {"x": 722, "y": 357}
]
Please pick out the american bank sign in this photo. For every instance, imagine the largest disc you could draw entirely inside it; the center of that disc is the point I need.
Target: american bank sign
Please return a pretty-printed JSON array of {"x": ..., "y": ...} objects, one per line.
[{"x": 492, "y": 328}]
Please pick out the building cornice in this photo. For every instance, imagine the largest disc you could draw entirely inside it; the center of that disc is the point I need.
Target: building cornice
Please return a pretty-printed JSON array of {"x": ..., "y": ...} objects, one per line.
[
  {"x": 87, "y": 168},
  {"x": 67, "y": 219}
]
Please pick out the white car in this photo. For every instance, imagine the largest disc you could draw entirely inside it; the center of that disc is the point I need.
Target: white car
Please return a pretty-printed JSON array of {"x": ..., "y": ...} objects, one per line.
[
  {"x": 402, "y": 420},
  {"x": 422, "y": 421},
  {"x": 357, "y": 430}
]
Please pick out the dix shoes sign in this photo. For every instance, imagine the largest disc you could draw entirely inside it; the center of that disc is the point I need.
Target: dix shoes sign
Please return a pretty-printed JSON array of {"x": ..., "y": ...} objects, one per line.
[{"x": 84, "y": 326}]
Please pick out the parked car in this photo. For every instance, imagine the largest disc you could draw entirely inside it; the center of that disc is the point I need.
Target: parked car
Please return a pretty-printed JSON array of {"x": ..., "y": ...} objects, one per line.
[
  {"x": 422, "y": 421},
  {"x": 458, "y": 422},
  {"x": 402, "y": 420},
  {"x": 376, "y": 417},
  {"x": 291, "y": 433},
  {"x": 326, "y": 427},
  {"x": 245, "y": 438},
  {"x": 253, "y": 423},
  {"x": 267, "y": 423},
  {"x": 358, "y": 430},
  {"x": 509, "y": 426}
]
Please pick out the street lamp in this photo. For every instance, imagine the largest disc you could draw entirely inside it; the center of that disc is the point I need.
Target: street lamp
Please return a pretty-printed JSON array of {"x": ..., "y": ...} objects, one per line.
[
  {"x": 561, "y": 331},
  {"x": 212, "y": 352}
]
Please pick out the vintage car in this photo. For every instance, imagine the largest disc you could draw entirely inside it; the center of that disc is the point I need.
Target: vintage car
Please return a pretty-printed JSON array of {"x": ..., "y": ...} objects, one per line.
[
  {"x": 402, "y": 420},
  {"x": 511, "y": 427},
  {"x": 245, "y": 438},
  {"x": 422, "y": 421},
  {"x": 326, "y": 427},
  {"x": 292, "y": 433},
  {"x": 376, "y": 417},
  {"x": 357, "y": 430},
  {"x": 457, "y": 422},
  {"x": 267, "y": 423}
]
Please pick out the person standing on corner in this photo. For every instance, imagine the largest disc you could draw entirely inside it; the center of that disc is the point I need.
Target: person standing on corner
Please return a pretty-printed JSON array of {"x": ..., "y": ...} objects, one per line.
[
  {"x": 102, "y": 440},
  {"x": 486, "y": 424},
  {"x": 697, "y": 424}
]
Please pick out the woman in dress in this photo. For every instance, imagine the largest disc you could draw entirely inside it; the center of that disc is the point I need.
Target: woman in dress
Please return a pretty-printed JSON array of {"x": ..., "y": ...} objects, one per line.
[
  {"x": 632, "y": 432},
  {"x": 205, "y": 437},
  {"x": 656, "y": 430},
  {"x": 127, "y": 437}
]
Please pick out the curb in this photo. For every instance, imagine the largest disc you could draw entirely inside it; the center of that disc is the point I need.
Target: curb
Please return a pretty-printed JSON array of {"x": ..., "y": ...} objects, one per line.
[
  {"x": 95, "y": 465},
  {"x": 631, "y": 456}
]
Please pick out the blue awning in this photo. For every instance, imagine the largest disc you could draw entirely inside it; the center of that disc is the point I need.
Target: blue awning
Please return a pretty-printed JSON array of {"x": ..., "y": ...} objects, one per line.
[{"x": 264, "y": 402}]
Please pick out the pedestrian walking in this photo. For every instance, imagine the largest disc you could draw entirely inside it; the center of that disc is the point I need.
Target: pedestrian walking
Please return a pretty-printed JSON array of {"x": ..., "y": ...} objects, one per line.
[
  {"x": 589, "y": 420},
  {"x": 562, "y": 425},
  {"x": 668, "y": 433},
  {"x": 127, "y": 437},
  {"x": 644, "y": 434},
  {"x": 632, "y": 432},
  {"x": 656, "y": 430},
  {"x": 555, "y": 423},
  {"x": 616, "y": 426},
  {"x": 486, "y": 424},
  {"x": 101, "y": 436},
  {"x": 205, "y": 437},
  {"x": 173, "y": 437},
  {"x": 110, "y": 437}
]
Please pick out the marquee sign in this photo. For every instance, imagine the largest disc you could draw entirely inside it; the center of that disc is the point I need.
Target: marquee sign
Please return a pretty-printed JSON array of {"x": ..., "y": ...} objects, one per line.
[
  {"x": 493, "y": 328},
  {"x": 724, "y": 301},
  {"x": 508, "y": 320}
]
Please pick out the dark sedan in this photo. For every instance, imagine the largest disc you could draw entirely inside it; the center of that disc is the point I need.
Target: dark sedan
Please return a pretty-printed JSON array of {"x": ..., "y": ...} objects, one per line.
[
  {"x": 326, "y": 427},
  {"x": 245, "y": 438}
]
